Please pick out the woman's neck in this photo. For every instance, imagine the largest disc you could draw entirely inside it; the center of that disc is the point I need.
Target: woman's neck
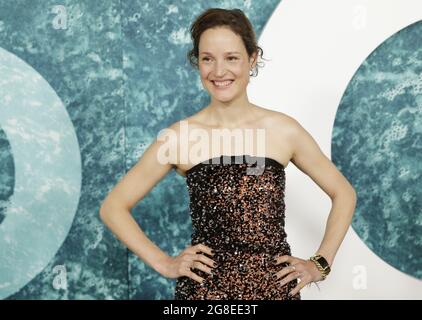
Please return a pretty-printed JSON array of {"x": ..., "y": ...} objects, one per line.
[{"x": 230, "y": 115}]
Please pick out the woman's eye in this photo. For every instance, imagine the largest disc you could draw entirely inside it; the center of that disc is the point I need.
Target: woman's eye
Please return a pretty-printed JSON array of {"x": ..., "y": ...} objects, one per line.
[{"x": 230, "y": 58}]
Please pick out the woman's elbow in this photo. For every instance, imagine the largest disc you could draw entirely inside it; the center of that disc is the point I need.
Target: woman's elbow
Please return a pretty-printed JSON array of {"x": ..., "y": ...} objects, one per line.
[
  {"x": 352, "y": 197},
  {"x": 105, "y": 209},
  {"x": 102, "y": 212},
  {"x": 112, "y": 207},
  {"x": 353, "y": 194},
  {"x": 345, "y": 192}
]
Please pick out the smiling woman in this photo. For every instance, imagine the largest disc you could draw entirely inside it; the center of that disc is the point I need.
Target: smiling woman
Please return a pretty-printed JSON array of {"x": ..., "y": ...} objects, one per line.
[
  {"x": 235, "y": 21},
  {"x": 239, "y": 247}
]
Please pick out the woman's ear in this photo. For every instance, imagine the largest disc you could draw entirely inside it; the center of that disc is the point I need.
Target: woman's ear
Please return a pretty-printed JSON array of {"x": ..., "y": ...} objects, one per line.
[{"x": 252, "y": 60}]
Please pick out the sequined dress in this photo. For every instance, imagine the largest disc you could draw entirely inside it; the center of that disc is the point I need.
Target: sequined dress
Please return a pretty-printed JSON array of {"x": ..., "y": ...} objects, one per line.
[{"x": 237, "y": 209}]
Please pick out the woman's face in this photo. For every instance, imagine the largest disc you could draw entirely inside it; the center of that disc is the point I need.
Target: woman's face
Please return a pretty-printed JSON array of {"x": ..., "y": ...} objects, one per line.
[{"x": 223, "y": 63}]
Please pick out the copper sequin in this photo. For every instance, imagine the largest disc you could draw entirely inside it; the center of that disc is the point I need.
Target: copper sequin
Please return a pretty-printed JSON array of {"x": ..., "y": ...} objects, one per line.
[{"x": 241, "y": 217}]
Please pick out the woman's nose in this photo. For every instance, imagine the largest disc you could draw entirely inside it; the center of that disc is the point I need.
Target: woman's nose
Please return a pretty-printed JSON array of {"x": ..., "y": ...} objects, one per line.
[{"x": 219, "y": 69}]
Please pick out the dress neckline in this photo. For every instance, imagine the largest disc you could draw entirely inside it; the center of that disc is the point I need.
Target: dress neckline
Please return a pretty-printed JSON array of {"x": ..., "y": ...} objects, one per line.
[{"x": 268, "y": 160}]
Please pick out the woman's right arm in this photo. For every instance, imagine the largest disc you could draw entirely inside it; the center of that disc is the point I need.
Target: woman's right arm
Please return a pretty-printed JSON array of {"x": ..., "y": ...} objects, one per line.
[{"x": 115, "y": 210}]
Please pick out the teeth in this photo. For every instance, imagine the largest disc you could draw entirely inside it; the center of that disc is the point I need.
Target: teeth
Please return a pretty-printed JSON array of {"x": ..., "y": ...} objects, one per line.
[{"x": 222, "y": 84}]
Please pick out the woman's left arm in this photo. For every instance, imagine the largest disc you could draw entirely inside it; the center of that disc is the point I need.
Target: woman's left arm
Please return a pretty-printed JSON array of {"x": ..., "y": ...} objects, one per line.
[{"x": 308, "y": 157}]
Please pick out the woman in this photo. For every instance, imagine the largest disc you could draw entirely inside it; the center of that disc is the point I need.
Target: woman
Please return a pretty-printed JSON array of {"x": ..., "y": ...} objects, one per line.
[{"x": 238, "y": 248}]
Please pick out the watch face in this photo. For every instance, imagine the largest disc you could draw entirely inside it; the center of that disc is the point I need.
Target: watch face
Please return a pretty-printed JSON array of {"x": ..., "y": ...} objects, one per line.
[{"x": 323, "y": 262}]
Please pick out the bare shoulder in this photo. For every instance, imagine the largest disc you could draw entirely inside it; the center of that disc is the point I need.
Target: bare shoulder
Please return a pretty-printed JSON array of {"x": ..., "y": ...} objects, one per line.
[
  {"x": 176, "y": 135},
  {"x": 279, "y": 120},
  {"x": 291, "y": 128},
  {"x": 172, "y": 135},
  {"x": 282, "y": 127}
]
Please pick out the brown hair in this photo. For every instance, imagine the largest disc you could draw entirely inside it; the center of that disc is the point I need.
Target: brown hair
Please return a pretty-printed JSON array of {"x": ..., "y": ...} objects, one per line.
[{"x": 236, "y": 20}]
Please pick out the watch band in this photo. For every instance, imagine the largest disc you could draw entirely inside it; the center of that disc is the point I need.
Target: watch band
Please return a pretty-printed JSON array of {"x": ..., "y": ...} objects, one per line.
[{"x": 321, "y": 264}]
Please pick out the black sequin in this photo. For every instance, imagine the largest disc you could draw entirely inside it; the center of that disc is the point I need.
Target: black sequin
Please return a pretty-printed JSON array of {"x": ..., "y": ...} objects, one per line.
[{"x": 240, "y": 215}]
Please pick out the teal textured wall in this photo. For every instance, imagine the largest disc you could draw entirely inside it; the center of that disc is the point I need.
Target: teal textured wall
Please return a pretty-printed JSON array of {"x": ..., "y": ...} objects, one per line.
[
  {"x": 377, "y": 144},
  {"x": 111, "y": 74},
  {"x": 86, "y": 86}
]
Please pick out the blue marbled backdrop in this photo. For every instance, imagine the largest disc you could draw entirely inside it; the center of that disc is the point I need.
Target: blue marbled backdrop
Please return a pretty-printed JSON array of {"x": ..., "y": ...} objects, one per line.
[
  {"x": 83, "y": 64},
  {"x": 120, "y": 74},
  {"x": 377, "y": 144},
  {"x": 85, "y": 87}
]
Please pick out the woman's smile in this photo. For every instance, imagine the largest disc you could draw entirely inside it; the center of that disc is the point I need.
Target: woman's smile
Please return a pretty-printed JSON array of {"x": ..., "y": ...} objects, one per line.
[{"x": 221, "y": 85}]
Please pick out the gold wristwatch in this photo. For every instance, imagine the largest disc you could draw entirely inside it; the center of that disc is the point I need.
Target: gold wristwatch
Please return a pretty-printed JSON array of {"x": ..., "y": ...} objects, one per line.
[{"x": 321, "y": 264}]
